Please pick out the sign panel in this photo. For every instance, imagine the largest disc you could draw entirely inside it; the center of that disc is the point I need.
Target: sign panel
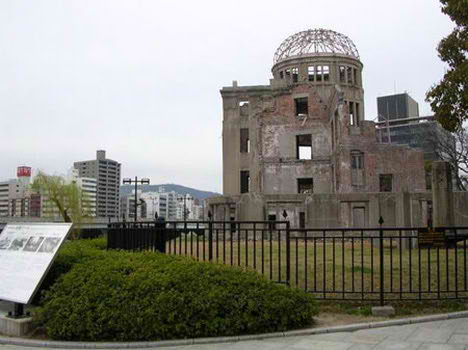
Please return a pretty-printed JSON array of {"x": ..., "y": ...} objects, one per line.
[{"x": 26, "y": 254}]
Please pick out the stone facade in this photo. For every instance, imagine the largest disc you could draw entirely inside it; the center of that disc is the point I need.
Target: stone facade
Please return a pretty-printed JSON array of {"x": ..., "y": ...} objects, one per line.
[{"x": 302, "y": 144}]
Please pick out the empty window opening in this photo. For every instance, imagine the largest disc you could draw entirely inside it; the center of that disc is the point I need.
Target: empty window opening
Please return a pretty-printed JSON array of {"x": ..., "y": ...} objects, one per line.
[
  {"x": 244, "y": 108},
  {"x": 355, "y": 75},
  {"x": 352, "y": 120},
  {"x": 386, "y": 182},
  {"x": 281, "y": 75},
  {"x": 319, "y": 73},
  {"x": 357, "y": 160},
  {"x": 311, "y": 73},
  {"x": 349, "y": 74},
  {"x": 302, "y": 106},
  {"x": 233, "y": 224},
  {"x": 244, "y": 141},
  {"x": 304, "y": 147},
  {"x": 301, "y": 219},
  {"x": 295, "y": 74},
  {"x": 245, "y": 181},
  {"x": 272, "y": 225},
  {"x": 305, "y": 185},
  {"x": 287, "y": 73},
  {"x": 342, "y": 74},
  {"x": 326, "y": 73}
]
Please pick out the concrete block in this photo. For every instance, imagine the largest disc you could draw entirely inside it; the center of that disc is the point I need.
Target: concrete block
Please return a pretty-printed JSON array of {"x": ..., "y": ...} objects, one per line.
[
  {"x": 460, "y": 314},
  {"x": 384, "y": 311},
  {"x": 309, "y": 331},
  {"x": 348, "y": 328},
  {"x": 400, "y": 322},
  {"x": 151, "y": 344},
  {"x": 431, "y": 318},
  {"x": 217, "y": 340},
  {"x": 15, "y": 327}
]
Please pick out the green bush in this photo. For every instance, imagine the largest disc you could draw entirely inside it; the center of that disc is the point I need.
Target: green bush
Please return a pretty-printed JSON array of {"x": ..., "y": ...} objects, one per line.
[
  {"x": 149, "y": 296},
  {"x": 71, "y": 253}
]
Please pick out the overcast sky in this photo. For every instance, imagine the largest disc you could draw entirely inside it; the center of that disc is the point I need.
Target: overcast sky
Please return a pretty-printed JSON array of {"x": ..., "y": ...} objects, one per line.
[{"x": 141, "y": 79}]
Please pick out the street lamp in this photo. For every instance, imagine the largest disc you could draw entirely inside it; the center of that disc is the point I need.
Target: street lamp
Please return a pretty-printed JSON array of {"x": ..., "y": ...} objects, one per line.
[
  {"x": 185, "y": 199},
  {"x": 136, "y": 182}
]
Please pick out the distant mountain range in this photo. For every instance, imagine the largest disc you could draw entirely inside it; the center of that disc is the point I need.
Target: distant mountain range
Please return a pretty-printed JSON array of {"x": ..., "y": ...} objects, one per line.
[{"x": 127, "y": 189}]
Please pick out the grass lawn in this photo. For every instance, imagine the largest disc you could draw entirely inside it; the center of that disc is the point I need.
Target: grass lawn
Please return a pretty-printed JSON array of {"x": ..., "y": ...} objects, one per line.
[{"x": 344, "y": 271}]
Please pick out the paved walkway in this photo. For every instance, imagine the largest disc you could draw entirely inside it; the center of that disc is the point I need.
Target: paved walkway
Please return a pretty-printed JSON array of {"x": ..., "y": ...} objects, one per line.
[{"x": 450, "y": 334}]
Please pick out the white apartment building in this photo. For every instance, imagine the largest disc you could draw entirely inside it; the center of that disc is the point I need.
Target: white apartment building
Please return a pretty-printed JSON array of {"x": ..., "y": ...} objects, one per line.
[
  {"x": 156, "y": 203},
  {"x": 88, "y": 187}
]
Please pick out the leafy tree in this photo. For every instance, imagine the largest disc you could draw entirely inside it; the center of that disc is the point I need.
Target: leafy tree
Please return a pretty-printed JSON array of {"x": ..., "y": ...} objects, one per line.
[
  {"x": 67, "y": 198},
  {"x": 449, "y": 98}
]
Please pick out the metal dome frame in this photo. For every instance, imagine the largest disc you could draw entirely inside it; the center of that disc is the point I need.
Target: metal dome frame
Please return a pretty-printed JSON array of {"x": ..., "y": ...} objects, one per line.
[{"x": 315, "y": 42}]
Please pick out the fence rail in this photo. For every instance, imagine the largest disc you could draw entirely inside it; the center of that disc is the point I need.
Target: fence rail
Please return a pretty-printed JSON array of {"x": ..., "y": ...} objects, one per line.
[{"x": 372, "y": 264}]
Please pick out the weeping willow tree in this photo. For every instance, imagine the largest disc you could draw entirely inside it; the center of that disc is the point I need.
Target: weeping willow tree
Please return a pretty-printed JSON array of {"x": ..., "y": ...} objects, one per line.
[{"x": 62, "y": 198}]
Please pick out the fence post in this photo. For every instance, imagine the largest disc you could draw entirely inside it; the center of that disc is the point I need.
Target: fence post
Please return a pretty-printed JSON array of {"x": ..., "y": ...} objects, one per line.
[
  {"x": 381, "y": 221},
  {"x": 288, "y": 249},
  {"x": 210, "y": 236}
]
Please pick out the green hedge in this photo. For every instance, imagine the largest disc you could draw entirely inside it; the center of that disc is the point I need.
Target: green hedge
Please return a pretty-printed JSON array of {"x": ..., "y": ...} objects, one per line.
[
  {"x": 71, "y": 253},
  {"x": 150, "y": 296}
]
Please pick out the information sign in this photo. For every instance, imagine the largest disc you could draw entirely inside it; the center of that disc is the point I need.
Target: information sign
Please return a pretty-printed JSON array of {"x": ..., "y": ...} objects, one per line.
[{"x": 26, "y": 254}]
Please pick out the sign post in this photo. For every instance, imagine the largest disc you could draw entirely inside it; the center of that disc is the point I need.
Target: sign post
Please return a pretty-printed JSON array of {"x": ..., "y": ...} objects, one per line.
[{"x": 27, "y": 252}]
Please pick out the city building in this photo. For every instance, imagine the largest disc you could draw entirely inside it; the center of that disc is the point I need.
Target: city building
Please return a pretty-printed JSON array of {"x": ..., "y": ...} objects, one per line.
[
  {"x": 15, "y": 194},
  {"x": 301, "y": 144},
  {"x": 5, "y": 189},
  {"x": 107, "y": 173},
  {"x": 127, "y": 206},
  {"x": 156, "y": 204},
  {"x": 418, "y": 132},
  {"x": 88, "y": 187},
  {"x": 185, "y": 203},
  {"x": 396, "y": 106}
]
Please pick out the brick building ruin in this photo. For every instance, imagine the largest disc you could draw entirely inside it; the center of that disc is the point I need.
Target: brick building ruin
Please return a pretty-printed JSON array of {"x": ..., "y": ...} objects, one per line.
[{"x": 302, "y": 144}]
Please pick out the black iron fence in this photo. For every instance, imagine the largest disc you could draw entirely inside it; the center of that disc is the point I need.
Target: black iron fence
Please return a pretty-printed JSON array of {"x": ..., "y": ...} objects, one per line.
[{"x": 375, "y": 264}]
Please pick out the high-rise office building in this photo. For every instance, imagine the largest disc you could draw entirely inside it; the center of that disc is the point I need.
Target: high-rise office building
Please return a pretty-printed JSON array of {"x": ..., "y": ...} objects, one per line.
[
  {"x": 107, "y": 173},
  {"x": 396, "y": 106}
]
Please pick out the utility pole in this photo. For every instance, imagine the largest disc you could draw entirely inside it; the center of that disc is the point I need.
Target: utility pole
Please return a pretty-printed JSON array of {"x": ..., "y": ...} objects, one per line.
[{"x": 136, "y": 182}]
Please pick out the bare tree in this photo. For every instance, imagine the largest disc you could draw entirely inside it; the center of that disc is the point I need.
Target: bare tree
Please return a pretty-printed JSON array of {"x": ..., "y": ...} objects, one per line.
[{"x": 454, "y": 150}]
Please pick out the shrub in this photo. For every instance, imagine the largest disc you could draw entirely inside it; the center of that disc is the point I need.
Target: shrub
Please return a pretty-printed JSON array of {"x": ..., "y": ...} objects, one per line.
[
  {"x": 71, "y": 253},
  {"x": 149, "y": 296}
]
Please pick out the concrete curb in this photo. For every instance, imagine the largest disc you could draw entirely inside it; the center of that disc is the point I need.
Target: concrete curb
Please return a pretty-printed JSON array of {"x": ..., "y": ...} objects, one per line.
[{"x": 165, "y": 343}]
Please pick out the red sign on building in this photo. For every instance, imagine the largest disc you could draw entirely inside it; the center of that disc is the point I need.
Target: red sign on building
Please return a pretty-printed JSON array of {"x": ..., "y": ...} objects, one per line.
[{"x": 23, "y": 171}]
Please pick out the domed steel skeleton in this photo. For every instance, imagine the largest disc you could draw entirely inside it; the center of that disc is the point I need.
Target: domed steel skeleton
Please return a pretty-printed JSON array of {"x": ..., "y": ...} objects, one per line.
[{"x": 315, "y": 41}]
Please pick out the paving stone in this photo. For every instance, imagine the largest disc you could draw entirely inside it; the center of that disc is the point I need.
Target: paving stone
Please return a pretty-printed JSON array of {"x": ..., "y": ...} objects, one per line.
[
  {"x": 310, "y": 344},
  {"x": 462, "y": 327},
  {"x": 459, "y": 339},
  {"x": 431, "y": 335},
  {"x": 449, "y": 323},
  {"x": 396, "y": 345},
  {"x": 367, "y": 338},
  {"x": 257, "y": 345},
  {"x": 361, "y": 347},
  {"x": 441, "y": 347}
]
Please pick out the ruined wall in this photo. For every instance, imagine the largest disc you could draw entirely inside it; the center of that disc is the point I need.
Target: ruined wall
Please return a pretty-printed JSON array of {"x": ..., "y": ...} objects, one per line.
[{"x": 460, "y": 208}]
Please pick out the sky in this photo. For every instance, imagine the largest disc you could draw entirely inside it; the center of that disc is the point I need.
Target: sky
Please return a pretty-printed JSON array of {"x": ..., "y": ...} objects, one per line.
[{"x": 141, "y": 79}]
